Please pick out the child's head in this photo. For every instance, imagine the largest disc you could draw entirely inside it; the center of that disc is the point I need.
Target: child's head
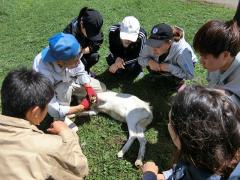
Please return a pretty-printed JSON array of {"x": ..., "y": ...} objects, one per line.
[
  {"x": 64, "y": 49},
  {"x": 217, "y": 42},
  {"x": 129, "y": 30},
  {"x": 162, "y": 36},
  {"x": 90, "y": 22},
  {"x": 207, "y": 124},
  {"x": 25, "y": 94}
]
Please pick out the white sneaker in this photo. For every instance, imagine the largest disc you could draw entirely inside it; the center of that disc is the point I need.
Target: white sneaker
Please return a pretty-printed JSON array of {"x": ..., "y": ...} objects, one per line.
[{"x": 70, "y": 124}]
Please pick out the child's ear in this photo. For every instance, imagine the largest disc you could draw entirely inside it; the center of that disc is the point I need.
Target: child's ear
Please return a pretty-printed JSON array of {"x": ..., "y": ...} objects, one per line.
[
  {"x": 33, "y": 115},
  {"x": 36, "y": 111},
  {"x": 174, "y": 136},
  {"x": 226, "y": 54},
  {"x": 58, "y": 62}
]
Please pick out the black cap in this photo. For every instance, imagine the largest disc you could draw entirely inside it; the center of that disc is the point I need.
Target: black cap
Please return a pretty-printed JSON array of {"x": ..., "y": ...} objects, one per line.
[
  {"x": 92, "y": 22},
  {"x": 159, "y": 34}
]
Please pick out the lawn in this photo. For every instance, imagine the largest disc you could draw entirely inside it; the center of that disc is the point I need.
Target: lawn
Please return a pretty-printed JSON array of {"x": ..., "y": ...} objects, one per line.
[{"x": 25, "y": 27}]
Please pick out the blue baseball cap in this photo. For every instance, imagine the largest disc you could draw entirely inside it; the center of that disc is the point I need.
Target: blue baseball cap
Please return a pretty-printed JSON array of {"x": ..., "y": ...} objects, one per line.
[{"x": 61, "y": 47}]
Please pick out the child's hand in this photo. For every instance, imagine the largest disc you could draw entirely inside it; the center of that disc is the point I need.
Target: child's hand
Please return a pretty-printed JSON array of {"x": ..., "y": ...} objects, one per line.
[
  {"x": 120, "y": 63},
  {"x": 113, "y": 68},
  {"x": 160, "y": 177},
  {"x": 85, "y": 103},
  {"x": 164, "y": 67},
  {"x": 150, "y": 166},
  {"x": 56, "y": 127},
  {"x": 91, "y": 94},
  {"x": 153, "y": 65}
]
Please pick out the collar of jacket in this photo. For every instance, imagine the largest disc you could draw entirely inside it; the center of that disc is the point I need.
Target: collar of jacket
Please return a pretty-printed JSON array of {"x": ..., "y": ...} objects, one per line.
[{"x": 18, "y": 123}]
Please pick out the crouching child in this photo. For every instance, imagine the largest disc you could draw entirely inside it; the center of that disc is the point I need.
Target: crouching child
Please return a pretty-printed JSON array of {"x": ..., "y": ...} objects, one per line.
[{"x": 26, "y": 152}]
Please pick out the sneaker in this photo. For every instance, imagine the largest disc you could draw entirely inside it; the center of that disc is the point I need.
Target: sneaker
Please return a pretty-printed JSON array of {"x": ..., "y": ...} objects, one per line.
[{"x": 70, "y": 124}]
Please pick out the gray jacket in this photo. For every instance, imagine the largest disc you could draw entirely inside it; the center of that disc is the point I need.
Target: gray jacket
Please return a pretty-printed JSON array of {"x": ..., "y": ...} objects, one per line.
[
  {"x": 181, "y": 59},
  {"x": 57, "y": 75},
  {"x": 228, "y": 80}
]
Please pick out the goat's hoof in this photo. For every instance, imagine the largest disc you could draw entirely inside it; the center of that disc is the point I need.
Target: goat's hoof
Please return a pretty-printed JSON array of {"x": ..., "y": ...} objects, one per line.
[
  {"x": 120, "y": 154},
  {"x": 138, "y": 163}
]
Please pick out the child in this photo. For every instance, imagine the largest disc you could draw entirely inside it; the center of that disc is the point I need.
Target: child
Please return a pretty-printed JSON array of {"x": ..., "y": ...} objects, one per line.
[
  {"x": 204, "y": 125},
  {"x": 218, "y": 44},
  {"x": 60, "y": 63},
  {"x": 126, "y": 39},
  {"x": 26, "y": 152},
  {"x": 87, "y": 30},
  {"x": 167, "y": 53}
]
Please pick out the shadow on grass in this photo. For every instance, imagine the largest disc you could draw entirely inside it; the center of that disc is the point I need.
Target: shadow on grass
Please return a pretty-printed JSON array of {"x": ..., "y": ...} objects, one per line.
[
  {"x": 158, "y": 92},
  {"x": 80, "y": 120}
]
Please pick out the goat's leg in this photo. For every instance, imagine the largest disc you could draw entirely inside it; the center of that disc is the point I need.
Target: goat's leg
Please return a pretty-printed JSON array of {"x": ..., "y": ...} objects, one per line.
[
  {"x": 83, "y": 113},
  {"x": 87, "y": 113},
  {"x": 132, "y": 137},
  {"x": 142, "y": 143}
]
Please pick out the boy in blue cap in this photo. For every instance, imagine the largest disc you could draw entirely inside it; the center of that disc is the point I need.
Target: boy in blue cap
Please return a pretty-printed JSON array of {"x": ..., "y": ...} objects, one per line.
[{"x": 60, "y": 63}]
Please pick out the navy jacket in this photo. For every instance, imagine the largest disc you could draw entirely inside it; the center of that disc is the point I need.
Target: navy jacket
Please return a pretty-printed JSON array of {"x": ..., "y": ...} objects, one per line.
[{"x": 183, "y": 171}]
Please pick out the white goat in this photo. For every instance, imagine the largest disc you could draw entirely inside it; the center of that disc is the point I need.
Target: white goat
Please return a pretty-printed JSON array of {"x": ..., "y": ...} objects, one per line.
[{"x": 129, "y": 109}]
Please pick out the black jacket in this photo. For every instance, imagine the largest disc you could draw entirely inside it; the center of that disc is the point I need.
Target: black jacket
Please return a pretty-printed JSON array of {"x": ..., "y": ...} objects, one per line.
[
  {"x": 117, "y": 49},
  {"x": 72, "y": 28}
]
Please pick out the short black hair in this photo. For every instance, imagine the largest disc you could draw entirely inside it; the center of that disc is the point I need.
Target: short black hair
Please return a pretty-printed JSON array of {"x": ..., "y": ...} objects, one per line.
[
  {"x": 207, "y": 122},
  {"x": 216, "y": 36},
  {"x": 23, "y": 89}
]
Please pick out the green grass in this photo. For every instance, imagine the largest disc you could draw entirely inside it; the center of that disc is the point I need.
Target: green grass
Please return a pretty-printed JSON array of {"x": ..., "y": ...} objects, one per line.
[{"x": 25, "y": 27}]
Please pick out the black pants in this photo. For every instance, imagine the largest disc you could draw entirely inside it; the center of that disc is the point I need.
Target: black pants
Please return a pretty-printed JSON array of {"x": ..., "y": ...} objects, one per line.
[
  {"x": 89, "y": 60},
  {"x": 133, "y": 67}
]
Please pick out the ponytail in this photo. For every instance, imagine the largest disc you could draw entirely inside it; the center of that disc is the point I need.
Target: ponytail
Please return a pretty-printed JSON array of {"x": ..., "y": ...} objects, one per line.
[{"x": 178, "y": 33}]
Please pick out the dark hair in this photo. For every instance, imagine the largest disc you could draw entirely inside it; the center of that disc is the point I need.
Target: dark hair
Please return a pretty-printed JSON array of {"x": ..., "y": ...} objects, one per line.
[
  {"x": 81, "y": 14},
  {"x": 208, "y": 125},
  {"x": 23, "y": 89},
  {"x": 217, "y": 36}
]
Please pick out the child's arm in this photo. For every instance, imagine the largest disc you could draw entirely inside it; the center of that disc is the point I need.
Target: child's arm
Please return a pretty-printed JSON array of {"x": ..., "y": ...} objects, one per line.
[
  {"x": 145, "y": 56},
  {"x": 68, "y": 161},
  {"x": 184, "y": 69},
  {"x": 84, "y": 105},
  {"x": 150, "y": 171}
]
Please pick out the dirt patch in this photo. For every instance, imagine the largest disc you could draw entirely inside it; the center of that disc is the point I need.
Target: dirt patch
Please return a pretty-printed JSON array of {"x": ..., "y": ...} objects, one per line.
[{"x": 226, "y": 3}]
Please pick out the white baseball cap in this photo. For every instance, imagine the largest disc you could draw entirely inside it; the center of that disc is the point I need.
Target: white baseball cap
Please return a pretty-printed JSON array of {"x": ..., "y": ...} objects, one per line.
[{"x": 129, "y": 28}]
